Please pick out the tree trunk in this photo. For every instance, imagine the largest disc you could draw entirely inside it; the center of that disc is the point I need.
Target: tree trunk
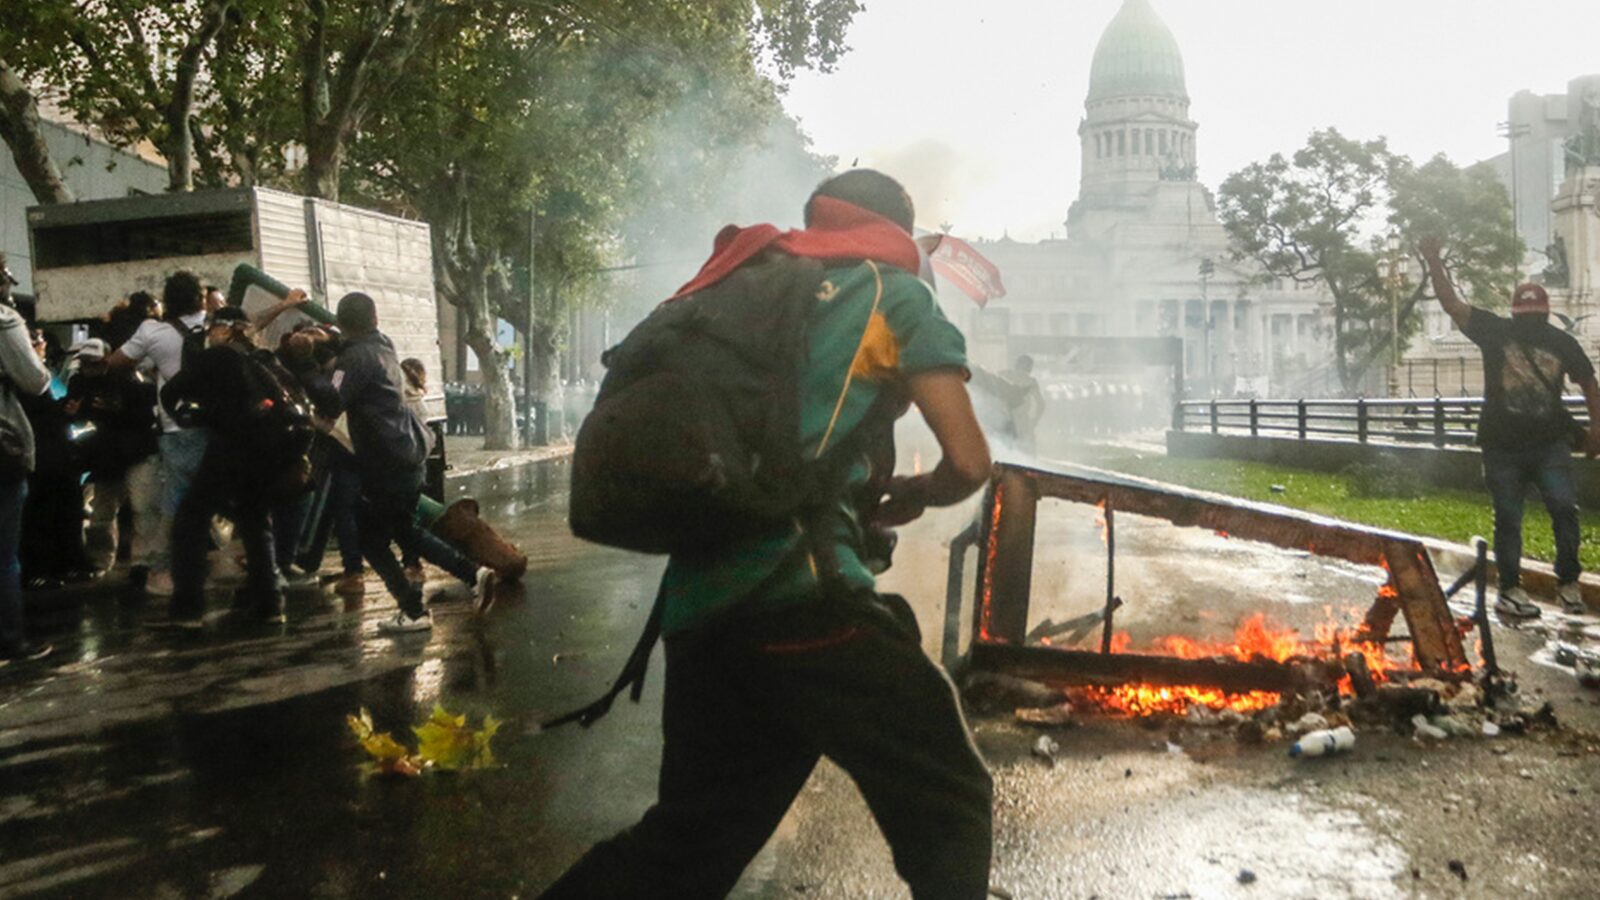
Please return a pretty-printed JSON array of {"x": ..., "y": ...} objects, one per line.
[
  {"x": 499, "y": 403},
  {"x": 324, "y": 159},
  {"x": 21, "y": 129},
  {"x": 547, "y": 388}
]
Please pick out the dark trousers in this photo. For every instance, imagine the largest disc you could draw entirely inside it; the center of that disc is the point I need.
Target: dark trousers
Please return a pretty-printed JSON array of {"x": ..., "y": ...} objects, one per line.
[
  {"x": 222, "y": 486},
  {"x": 388, "y": 515},
  {"x": 13, "y": 494},
  {"x": 288, "y": 520},
  {"x": 1508, "y": 474},
  {"x": 748, "y": 711}
]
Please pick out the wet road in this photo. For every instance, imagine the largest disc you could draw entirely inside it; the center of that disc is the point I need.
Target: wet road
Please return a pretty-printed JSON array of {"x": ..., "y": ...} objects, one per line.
[{"x": 141, "y": 764}]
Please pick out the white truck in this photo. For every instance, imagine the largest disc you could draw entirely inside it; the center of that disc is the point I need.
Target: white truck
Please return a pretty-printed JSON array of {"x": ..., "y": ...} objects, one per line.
[{"x": 89, "y": 256}]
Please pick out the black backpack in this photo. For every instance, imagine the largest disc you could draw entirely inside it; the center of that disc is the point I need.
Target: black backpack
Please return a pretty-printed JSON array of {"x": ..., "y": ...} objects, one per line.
[
  {"x": 694, "y": 435},
  {"x": 276, "y": 424}
]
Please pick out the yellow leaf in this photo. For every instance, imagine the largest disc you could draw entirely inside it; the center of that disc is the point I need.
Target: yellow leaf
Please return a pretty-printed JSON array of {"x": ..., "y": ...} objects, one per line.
[
  {"x": 446, "y": 741},
  {"x": 388, "y": 755}
]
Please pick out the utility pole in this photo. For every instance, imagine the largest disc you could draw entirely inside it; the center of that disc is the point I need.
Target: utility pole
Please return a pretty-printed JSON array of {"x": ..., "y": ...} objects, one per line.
[
  {"x": 1393, "y": 275},
  {"x": 1207, "y": 268}
]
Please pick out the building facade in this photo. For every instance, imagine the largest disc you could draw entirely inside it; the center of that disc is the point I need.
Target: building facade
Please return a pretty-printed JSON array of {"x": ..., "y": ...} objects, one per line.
[{"x": 1144, "y": 254}]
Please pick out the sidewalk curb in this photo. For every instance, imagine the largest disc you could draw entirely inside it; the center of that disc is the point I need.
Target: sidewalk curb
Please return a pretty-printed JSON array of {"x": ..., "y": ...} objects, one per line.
[
  {"x": 505, "y": 475},
  {"x": 1538, "y": 578}
]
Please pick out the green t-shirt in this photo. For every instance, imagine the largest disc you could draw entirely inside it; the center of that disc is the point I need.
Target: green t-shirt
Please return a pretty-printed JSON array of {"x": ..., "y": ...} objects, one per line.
[{"x": 876, "y": 325}]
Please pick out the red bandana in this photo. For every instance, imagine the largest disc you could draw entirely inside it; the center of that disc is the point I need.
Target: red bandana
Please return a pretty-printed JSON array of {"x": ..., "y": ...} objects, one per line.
[{"x": 838, "y": 230}]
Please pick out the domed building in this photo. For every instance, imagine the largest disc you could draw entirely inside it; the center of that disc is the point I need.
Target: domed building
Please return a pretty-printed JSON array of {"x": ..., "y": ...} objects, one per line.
[{"x": 1144, "y": 255}]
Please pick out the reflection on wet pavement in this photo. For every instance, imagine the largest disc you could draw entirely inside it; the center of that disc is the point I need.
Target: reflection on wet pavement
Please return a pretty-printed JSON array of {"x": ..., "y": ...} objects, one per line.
[{"x": 142, "y": 764}]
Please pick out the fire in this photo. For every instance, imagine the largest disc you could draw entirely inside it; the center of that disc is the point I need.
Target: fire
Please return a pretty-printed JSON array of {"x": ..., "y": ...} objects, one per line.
[
  {"x": 1100, "y": 522},
  {"x": 1255, "y": 639},
  {"x": 1147, "y": 700}
]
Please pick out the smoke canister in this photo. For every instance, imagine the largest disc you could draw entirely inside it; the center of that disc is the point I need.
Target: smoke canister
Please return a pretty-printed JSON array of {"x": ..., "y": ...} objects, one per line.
[{"x": 1326, "y": 742}]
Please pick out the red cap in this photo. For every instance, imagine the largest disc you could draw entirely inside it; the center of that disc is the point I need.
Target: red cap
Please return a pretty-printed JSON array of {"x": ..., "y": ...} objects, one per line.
[{"x": 1529, "y": 298}]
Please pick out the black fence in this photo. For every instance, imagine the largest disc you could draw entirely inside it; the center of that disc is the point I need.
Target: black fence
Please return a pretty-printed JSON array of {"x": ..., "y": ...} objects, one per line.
[{"x": 1440, "y": 421}]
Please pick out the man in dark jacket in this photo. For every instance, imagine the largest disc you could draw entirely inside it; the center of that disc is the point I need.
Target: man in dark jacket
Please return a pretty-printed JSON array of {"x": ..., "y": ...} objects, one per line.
[
  {"x": 390, "y": 446},
  {"x": 247, "y": 464}
]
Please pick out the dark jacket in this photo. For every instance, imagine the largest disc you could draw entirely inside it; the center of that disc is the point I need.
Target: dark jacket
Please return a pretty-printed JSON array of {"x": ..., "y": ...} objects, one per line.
[
  {"x": 121, "y": 406},
  {"x": 387, "y": 435}
]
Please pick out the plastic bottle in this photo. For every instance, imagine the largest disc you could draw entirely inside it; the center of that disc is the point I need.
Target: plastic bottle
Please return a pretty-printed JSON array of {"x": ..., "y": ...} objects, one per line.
[{"x": 1325, "y": 742}]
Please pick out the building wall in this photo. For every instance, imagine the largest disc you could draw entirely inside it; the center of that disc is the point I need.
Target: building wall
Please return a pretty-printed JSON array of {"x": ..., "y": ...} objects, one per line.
[{"x": 94, "y": 169}]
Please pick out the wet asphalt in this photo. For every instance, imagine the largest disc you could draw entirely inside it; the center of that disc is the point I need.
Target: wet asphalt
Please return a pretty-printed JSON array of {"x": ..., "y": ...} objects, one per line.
[{"x": 144, "y": 764}]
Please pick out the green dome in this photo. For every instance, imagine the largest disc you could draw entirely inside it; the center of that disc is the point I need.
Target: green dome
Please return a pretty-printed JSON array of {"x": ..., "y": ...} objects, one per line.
[{"x": 1136, "y": 55}]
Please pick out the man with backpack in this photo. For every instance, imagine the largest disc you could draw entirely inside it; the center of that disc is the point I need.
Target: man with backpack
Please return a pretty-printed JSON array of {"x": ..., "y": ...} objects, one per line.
[
  {"x": 779, "y": 650},
  {"x": 260, "y": 430},
  {"x": 163, "y": 346},
  {"x": 391, "y": 444}
]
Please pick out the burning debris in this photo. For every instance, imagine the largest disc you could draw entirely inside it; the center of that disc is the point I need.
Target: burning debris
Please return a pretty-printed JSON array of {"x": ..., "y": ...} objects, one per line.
[{"x": 1267, "y": 682}]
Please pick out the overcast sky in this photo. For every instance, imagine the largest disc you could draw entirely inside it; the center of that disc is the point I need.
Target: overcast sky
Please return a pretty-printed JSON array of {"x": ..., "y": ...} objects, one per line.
[{"x": 975, "y": 103}]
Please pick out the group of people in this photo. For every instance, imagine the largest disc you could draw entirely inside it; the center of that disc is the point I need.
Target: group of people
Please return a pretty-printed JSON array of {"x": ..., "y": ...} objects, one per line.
[{"x": 172, "y": 414}]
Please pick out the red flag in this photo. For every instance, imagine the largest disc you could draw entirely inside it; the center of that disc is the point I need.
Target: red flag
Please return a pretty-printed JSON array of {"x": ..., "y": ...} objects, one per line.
[{"x": 963, "y": 266}]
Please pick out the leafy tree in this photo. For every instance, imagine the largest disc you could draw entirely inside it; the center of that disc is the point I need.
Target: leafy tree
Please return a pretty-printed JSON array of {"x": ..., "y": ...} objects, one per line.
[
  {"x": 1318, "y": 217},
  {"x": 132, "y": 69}
]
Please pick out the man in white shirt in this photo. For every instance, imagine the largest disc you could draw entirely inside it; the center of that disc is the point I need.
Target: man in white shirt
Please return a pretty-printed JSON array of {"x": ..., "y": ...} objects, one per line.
[{"x": 158, "y": 346}]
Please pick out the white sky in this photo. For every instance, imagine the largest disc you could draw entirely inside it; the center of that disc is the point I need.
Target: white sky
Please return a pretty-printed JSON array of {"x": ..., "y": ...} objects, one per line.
[{"x": 975, "y": 104}]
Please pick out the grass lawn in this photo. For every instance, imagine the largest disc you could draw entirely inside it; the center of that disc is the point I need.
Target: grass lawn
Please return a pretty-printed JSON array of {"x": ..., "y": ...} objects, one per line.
[{"x": 1450, "y": 514}]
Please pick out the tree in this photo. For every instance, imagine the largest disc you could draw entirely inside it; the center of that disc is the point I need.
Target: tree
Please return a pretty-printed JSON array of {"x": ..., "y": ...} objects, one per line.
[
  {"x": 20, "y": 129},
  {"x": 515, "y": 115},
  {"x": 1318, "y": 217},
  {"x": 131, "y": 69}
]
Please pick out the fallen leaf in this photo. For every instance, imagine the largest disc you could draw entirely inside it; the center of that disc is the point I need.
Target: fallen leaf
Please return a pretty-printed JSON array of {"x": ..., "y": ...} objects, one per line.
[
  {"x": 389, "y": 756},
  {"x": 446, "y": 741}
]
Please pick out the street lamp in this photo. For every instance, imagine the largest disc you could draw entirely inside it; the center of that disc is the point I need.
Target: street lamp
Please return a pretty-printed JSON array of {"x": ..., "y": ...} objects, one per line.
[
  {"x": 1393, "y": 275},
  {"x": 1207, "y": 268}
]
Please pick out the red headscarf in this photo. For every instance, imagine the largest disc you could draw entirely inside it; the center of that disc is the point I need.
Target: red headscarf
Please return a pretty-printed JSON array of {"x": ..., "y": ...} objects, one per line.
[{"x": 838, "y": 230}]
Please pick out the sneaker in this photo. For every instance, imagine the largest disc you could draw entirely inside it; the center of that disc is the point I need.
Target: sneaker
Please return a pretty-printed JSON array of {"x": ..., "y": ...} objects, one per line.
[
  {"x": 351, "y": 584},
  {"x": 27, "y": 651},
  {"x": 158, "y": 584},
  {"x": 1515, "y": 603},
  {"x": 483, "y": 589},
  {"x": 1571, "y": 597},
  {"x": 293, "y": 578},
  {"x": 401, "y": 623}
]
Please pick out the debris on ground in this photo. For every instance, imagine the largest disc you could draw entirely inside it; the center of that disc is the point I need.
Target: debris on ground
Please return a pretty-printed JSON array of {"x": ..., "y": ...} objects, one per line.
[
  {"x": 1246, "y": 876},
  {"x": 1459, "y": 869},
  {"x": 1425, "y": 729},
  {"x": 1046, "y": 749},
  {"x": 1324, "y": 742},
  {"x": 1058, "y": 716},
  {"x": 444, "y": 742},
  {"x": 992, "y": 692}
]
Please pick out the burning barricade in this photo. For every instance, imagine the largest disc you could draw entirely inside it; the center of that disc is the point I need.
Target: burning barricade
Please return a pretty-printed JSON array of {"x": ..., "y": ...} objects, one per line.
[{"x": 1267, "y": 682}]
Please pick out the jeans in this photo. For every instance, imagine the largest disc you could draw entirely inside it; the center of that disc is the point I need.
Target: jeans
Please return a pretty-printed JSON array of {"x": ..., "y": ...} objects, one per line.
[
  {"x": 140, "y": 488},
  {"x": 288, "y": 520},
  {"x": 1508, "y": 473},
  {"x": 12, "y": 496},
  {"x": 749, "y": 709},
  {"x": 388, "y": 515},
  {"x": 223, "y": 484},
  {"x": 344, "y": 504},
  {"x": 181, "y": 454}
]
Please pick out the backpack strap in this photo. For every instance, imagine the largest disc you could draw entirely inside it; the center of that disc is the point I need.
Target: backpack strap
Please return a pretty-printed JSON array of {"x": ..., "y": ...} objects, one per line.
[{"x": 631, "y": 677}]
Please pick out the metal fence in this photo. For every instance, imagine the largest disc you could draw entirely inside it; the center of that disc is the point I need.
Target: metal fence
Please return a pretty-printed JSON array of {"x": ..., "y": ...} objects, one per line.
[{"x": 1440, "y": 421}]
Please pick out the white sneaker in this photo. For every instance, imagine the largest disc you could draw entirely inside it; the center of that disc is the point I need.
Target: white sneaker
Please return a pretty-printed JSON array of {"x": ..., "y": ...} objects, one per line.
[
  {"x": 483, "y": 589},
  {"x": 401, "y": 623},
  {"x": 1571, "y": 597},
  {"x": 1515, "y": 603}
]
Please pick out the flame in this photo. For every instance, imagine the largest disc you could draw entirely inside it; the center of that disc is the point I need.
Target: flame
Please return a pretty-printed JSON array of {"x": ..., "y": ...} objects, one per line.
[
  {"x": 1100, "y": 522},
  {"x": 1256, "y": 638},
  {"x": 986, "y": 611},
  {"x": 1147, "y": 700}
]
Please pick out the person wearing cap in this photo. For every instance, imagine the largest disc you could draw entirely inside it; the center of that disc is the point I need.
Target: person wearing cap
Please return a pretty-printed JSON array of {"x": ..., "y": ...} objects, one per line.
[
  {"x": 121, "y": 456},
  {"x": 1525, "y": 431}
]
